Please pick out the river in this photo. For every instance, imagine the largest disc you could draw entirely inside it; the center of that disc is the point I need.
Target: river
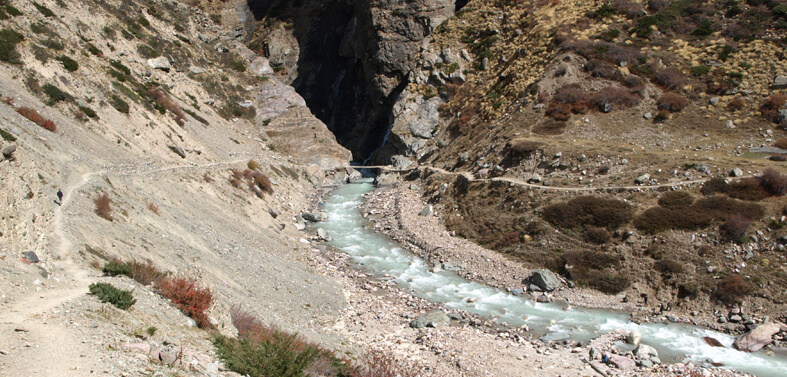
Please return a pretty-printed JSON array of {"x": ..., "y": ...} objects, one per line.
[{"x": 378, "y": 254}]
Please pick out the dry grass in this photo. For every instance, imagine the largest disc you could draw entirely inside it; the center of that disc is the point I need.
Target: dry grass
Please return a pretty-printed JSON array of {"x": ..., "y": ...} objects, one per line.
[
  {"x": 103, "y": 206},
  {"x": 672, "y": 102}
]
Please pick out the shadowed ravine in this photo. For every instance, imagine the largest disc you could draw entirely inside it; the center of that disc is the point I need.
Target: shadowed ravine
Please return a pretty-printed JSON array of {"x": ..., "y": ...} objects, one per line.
[{"x": 380, "y": 255}]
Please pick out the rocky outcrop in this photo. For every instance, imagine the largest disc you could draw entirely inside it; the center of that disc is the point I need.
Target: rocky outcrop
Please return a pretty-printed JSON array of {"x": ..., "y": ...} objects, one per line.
[{"x": 434, "y": 318}]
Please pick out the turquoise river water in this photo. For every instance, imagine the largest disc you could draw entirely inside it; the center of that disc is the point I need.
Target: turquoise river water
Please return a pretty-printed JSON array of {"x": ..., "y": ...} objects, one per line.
[{"x": 378, "y": 254}]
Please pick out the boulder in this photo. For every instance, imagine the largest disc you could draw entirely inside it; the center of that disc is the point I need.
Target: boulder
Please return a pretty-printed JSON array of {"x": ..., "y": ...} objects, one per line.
[
  {"x": 313, "y": 217},
  {"x": 620, "y": 362},
  {"x": 644, "y": 351},
  {"x": 386, "y": 179},
  {"x": 161, "y": 63},
  {"x": 434, "y": 318},
  {"x": 427, "y": 211},
  {"x": 545, "y": 279},
  {"x": 196, "y": 70},
  {"x": 178, "y": 151},
  {"x": 534, "y": 179},
  {"x": 353, "y": 175},
  {"x": 261, "y": 66},
  {"x": 642, "y": 179},
  {"x": 323, "y": 234},
  {"x": 758, "y": 338},
  {"x": 31, "y": 256},
  {"x": 634, "y": 337},
  {"x": 9, "y": 150},
  {"x": 736, "y": 172},
  {"x": 300, "y": 223},
  {"x": 779, "y": 82}
]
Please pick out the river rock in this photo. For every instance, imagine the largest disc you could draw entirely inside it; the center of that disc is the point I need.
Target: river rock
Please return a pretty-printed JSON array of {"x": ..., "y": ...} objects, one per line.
[
  {"x": 300, "y": 223},
  {"x": 427, "y": 211},
  {"x": 434, "y": 318},
  {"x": 779, "y": 82},
  {"x": 758, "y": 338},
  {"x": 353, "y": 175},
  {"x": 620, "y": 362},
  {"x": 9, "y": 150},
  {"x": 736, "y": 172},
  {"x": 313, "y": 217},
  {"x": 323, "y": 234},
  {"x": 644, "y": 351},
  {"x": 634, "y": 337},
  {"x": 545, "y": 279},
  {"x": 642, "y": 179}
]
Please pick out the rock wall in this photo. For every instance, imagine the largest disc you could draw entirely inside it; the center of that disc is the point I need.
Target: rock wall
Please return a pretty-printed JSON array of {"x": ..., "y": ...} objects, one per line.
[{"x": 354, "y": 58}]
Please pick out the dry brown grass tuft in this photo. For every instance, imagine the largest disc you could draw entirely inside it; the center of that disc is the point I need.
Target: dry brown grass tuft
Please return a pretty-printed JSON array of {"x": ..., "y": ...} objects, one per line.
[
  {"x": 154, "y": 207},
  {"x": 103, "y": 206},
  {"x": 736, "y": 104}
]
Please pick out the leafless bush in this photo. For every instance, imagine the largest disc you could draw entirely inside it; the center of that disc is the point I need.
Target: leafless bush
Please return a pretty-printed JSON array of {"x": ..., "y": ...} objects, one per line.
[
  {"x": 735, "y": 31},
  {"x": 736, "y": 104},
  {"x": 523, "y": 147},
  {"x": 163, "y": 98},
  {"x": 378, "y": 363},
  {"x": 603, "y": 169},
  {"x": 568, "y": 100},
  {"x": 731, "y": 289},
  {"x": 770, "y": 108},
  {"x": 734, "y": 229},
  {"x": 657, "y": 5},
  {"x": 781, "y": 143},
  {"x": 672, "y": 102},
  {"x": 103, "y": 206},
  {"x": 617, "y": 98},
  {"x": 774, "y": 182},
  {"x": 670, "y": 78},
  {"x": 629, "y": 8},
  {"x": 597, "y": 235}
]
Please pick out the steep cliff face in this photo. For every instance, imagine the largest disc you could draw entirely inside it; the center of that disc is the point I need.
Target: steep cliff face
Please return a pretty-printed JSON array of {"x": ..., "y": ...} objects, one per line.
[{"x": 354, "y": 57}]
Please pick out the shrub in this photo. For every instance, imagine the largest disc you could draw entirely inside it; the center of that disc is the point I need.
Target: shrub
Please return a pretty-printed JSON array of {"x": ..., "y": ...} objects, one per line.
[
  {"x": 119, "y": 104},
  {"x": 672, "y": 102},
  {"x": 615, "y": 98},
  {"x": 668, "y": 267},
  {"x": 736, "y": 104},
  {"x": 734, "y": 229},
  {"x": 603, "y": 169},
  {"x": 715, "y": 185},
  {"x": 88, "y": 111},
  {"x": 696, "y": 216},
  {"x": 7, "y": 136},
  {"x": 568, "y": 100},
  {"x": 597, "y": 235},
  {"x": 750, "y": 189},
  {"x": 657, "y": 5},
  {"x": 774, "y": 182},
  {"x": 588, "y": 210},
  {"x": 116, "y": 267},
  {"x": 700, "y": 70},
  {"x": 144, "y": 273},
  {"x": 122, "y": 299},
  {"x": 154, "y": 208},
  {"x": 731, "y": 289},
  {"x": 378, "y": 363},
  {"x": 263, "y": 182},
  {"x": 522, "y": 147},
  {"x": 770, "y": 107},
  {"x": 778, "y": 157},
  {"x": 44, "y": 10},
  {"x": 163, "y": 98},
  {"x": 37, "y": 118},
  {"x": 262, "y": 350},
  {"x": 781, "y": 143},
  {"x": 69, "y": 64},
  {"x": 55, "y": 94},
  {"x": 629, "y": 8},
  {"x": 670, "y": 78},
  {"x": 103, "y": 206},
  {"x": 676, "y": 200},
  {"x": 253, "y": 165},
  {"x": 185, "y": 296},
  {"x": 8, "y": 41}
]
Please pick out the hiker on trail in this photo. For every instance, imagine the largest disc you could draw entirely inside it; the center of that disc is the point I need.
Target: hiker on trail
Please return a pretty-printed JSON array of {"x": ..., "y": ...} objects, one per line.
[{"x": 60, "y": 197}]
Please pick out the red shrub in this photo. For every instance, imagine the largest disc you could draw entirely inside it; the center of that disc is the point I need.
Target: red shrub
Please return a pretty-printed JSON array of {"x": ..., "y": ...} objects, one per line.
[
  {"x": 670, "y": 78},
  {"x": 770, "y": 108},
  {"x": 672, "y": 102},
  {"x": 187, "y": 297},
  {"x": 566, "y": 101},
  {"x": 36, "y": 118}
]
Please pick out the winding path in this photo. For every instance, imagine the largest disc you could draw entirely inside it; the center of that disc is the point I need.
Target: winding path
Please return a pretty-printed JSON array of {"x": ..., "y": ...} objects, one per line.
[{"x": 469, "y": 176}]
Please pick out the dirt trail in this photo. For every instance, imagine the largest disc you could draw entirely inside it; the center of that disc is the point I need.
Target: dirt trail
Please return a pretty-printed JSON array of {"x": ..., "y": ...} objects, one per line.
[{"x": 469, "y": 176}]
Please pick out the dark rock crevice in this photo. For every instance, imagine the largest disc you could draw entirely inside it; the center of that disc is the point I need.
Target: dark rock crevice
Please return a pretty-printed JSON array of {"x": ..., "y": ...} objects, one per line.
[{"x": 354, "y": 59}]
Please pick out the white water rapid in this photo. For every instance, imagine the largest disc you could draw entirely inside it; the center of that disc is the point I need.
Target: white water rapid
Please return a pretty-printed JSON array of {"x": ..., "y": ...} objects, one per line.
[{"x": 378, "y": 254}]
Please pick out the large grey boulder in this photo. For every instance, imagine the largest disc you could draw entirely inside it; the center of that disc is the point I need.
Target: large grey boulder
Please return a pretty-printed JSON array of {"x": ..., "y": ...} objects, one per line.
[
  {"x": 434, "y": 318},
  {"x": 758, "y": 338},
  {"x": 545, "y": 279},
  {"x": 160, "y": 62},
  {"x": 313, "y": 217},
  {"x": 642, "y": 179}
]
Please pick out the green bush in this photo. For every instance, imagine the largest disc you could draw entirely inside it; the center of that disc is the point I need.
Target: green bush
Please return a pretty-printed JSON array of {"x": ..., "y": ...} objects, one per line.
[
  {"x": 88, "y": 111},
  {"x": 700, "y": 70},
  {"x": 119, "y": 104},
  {"x": 116, "y": 267},
  {"x": 44, "y": 10},
  {"x": 7, "y": 136},
  {"x": 69, "y": 64},
  {"x": 8, "y": 41},
  {"x": 55, "y": 94},
  {"x": 122, "y": 299}
]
